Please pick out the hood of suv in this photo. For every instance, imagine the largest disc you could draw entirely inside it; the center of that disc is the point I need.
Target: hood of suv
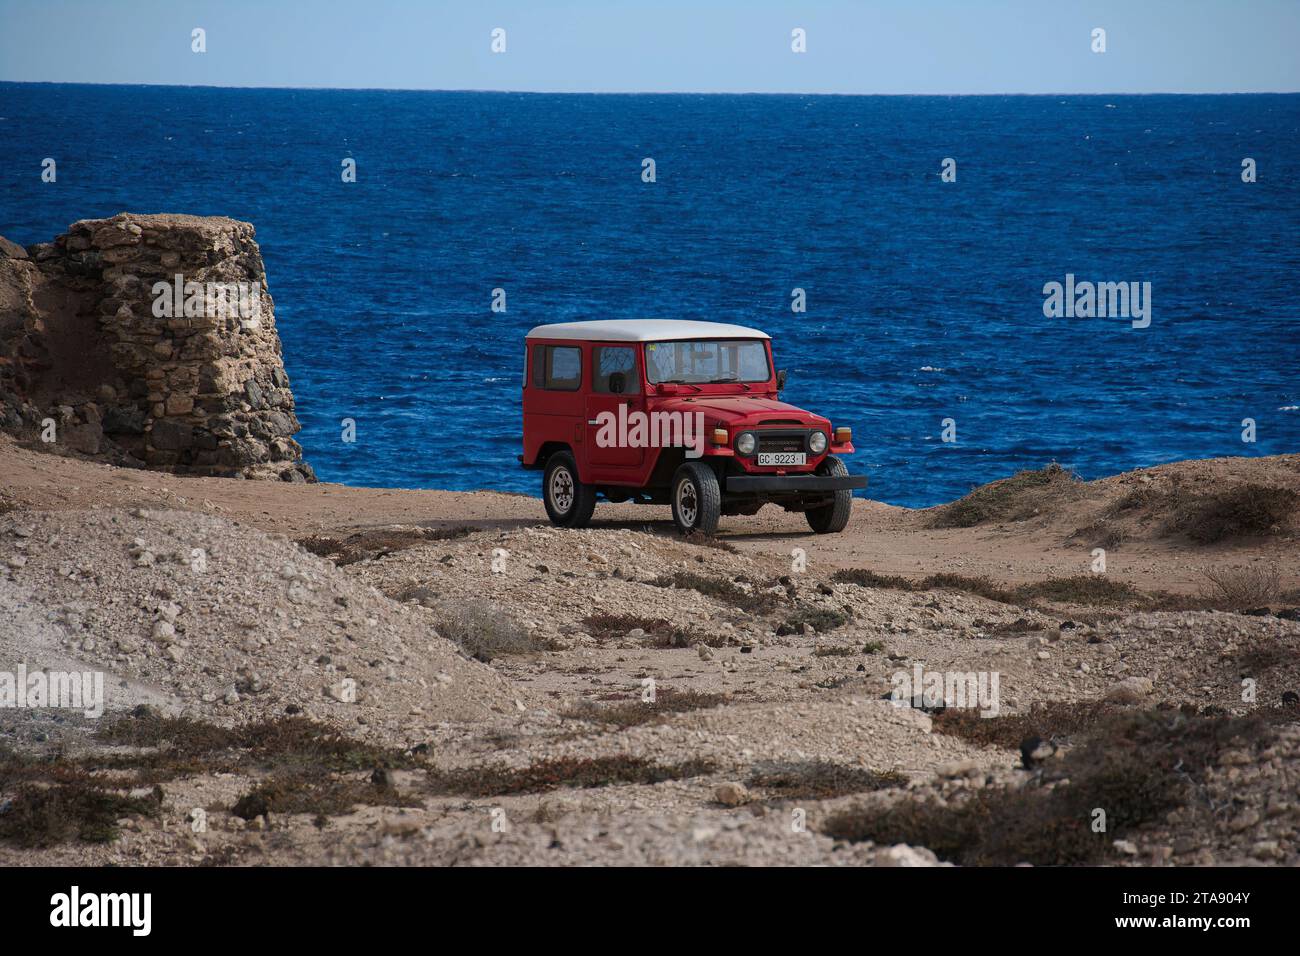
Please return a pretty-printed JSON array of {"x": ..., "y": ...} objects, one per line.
[{"x": 742, "y": 411}]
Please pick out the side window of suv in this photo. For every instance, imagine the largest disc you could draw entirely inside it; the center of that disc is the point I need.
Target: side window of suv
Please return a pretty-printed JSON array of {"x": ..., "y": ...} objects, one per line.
[
  {"x": 557, "y": 368},
  {"x": 614, "y": 369}
]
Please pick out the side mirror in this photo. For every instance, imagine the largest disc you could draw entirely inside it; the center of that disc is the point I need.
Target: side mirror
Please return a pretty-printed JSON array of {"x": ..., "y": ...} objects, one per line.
[
  {"x": 617, "y": 383},
  {"x": 780, "y": 380}
]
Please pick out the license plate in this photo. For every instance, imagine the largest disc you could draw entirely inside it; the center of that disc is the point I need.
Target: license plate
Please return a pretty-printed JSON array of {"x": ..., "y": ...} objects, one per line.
[{"x": 782, "y": 458}]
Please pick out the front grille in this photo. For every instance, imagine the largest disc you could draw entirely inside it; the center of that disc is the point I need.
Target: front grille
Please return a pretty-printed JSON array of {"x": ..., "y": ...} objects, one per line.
[{"x": 782, "y": 441}]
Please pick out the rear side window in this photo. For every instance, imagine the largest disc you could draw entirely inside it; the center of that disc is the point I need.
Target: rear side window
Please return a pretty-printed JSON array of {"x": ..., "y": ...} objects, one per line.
[
  {"x": 613, "y": 370},
  {"x": 557, "y": 367}
]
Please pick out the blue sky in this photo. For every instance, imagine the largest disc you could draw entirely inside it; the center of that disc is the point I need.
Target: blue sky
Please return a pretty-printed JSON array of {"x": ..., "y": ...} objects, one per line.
[{"x": 854, "y": 46}]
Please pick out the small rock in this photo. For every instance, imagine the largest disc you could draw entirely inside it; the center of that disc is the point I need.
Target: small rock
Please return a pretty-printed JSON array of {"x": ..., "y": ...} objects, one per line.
[
  {"x": 1266, "y": 850},
  {"x": 1244, "y": 821},
  {"x": 903, "y": 855},
  {"x": 962, "y": 768},
  {"x": 1130, "y": 690},
  {"x": 731, "y": 794},
  {"x": 1034, "y": 750}
]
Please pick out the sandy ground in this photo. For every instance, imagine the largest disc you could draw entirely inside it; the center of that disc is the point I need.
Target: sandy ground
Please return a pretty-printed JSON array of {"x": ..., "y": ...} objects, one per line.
[{"x": 370, "y": 630}]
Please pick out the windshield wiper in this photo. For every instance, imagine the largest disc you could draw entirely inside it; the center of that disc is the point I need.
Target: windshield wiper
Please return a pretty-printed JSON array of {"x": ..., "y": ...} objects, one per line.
[
  {"x": 680, "y": 381},
  {"x": 729, "y": 381}
]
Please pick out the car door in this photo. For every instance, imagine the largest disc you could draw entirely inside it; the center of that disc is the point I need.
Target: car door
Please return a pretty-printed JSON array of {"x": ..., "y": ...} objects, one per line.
[
  {"x": 554, "y": 403},
  {"x": 615, "y": 396}
]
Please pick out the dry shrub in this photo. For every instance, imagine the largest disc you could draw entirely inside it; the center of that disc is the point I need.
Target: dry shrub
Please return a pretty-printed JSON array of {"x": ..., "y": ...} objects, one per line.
[
  {"x": 1053, "y": 720},
  {"x": 41, "y": 815},
  {"x": 267, "y": 744},
  {"x": 709, "y": 541},
  {"x": 313, "y": 791},
  {"x": 1096, "y": 589},
  {"x": 720, "y": 589},
  {"x": 605, "y": 627},
  {"x": 1243, "y": 510},
  {"x": 822, "y": 619},
  {"x": 545, "y": 775},
  {"x": 820, "y": 779},
  {"x": 835, "y": 650},
  {"x": 982, "y": 586},
  {"x": 485, "y": 631},
  {"x": 1092, "y": 589},
  {"x": 1240, "y": 589},
  {"x": 1100, "y": 534},
  {"x": 1138, "y": 767},
  {"x": 633, "y": 713},
  {"x": 61, "y": 799},
  {"x": 1017, "y": 498},
  {"x": 364, "y": 545}
]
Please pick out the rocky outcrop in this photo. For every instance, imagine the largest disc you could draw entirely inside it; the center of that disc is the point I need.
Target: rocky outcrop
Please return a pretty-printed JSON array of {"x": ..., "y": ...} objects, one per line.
[{"x": 148, "y": 341}]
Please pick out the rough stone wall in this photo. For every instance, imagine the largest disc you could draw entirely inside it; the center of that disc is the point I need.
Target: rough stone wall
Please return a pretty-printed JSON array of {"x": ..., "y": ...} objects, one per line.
[{"x": 187, "y": 379}]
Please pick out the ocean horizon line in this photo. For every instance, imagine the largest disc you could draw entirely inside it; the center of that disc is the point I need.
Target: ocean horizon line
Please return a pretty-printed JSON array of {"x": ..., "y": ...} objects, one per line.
[{"x": 512, "y": 92}]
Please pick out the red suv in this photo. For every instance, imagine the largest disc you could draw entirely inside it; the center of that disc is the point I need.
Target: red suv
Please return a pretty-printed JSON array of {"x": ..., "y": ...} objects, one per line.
[{"x": 680, "y": 413}]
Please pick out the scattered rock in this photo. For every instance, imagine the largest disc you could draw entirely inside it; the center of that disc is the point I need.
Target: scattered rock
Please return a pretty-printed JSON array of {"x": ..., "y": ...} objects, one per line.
[
  {"x": 1130, "y": 690},
  {"x": 731, "y": 794}
]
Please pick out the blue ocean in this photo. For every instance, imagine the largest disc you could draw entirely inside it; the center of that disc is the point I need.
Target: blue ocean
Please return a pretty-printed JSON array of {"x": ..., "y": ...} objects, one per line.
[{"x": 924, "y": 298}]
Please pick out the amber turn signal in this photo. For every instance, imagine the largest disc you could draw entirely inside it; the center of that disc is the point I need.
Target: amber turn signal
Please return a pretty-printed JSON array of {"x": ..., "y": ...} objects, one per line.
[
  {"x": 719, "y": 436},
  {"x": 843, "y": 435}
]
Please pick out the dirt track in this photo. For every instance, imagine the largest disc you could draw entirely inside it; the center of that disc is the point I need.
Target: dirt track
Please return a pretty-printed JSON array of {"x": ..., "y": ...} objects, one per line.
[{"x": 887, "y": 539}]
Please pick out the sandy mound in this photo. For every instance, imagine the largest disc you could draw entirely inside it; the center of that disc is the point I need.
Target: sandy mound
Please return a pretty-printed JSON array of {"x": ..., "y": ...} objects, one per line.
[{"x": 228, "y": 623}]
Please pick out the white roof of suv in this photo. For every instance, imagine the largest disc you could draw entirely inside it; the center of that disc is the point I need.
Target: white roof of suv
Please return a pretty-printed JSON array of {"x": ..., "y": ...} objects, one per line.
[{"x": 643, "y": 330}]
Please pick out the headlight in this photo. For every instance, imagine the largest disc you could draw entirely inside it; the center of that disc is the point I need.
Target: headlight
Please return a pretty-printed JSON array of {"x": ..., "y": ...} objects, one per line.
[
  {"x": 817, "y": 442},
  {"x": 745, "y": 443}
]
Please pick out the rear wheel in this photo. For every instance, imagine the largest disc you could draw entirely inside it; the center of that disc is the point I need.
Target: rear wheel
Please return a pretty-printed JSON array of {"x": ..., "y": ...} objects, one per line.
[
  {"x": 831, "y": 518},
  {"x": 697, "y": 499},
  {"x": 569, "y": 503}
]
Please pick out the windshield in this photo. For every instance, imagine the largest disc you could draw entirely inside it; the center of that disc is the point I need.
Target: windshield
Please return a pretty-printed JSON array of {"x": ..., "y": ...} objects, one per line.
[{"x": 701, "y": 362}]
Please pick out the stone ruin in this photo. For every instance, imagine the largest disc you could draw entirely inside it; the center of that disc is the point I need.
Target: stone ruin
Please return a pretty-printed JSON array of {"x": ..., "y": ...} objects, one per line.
[{"x": 148, "y": 341}]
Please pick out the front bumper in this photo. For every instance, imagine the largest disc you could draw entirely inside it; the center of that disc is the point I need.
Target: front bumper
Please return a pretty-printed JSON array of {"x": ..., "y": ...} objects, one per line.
[{"x": 792, "y": 484}]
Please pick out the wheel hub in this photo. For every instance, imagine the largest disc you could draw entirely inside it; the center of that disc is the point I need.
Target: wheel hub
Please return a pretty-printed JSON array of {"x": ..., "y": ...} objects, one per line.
[
  {"x": 562, "y": 490},
  {"x": 687, "y": 502}
]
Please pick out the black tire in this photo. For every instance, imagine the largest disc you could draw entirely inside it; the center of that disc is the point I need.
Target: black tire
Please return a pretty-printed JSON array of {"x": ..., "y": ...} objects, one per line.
[
  {"x": 696, "y": 498},
  {"x": 832, "y": 518},
  {"x": 569, "y": 503}
]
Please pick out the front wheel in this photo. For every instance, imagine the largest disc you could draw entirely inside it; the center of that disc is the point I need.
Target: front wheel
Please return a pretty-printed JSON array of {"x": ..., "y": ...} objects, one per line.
[
  {"x": 832, "y": 518},
  {"x": 569, "y": 503},
  {"x": 697, "y": 499}
]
